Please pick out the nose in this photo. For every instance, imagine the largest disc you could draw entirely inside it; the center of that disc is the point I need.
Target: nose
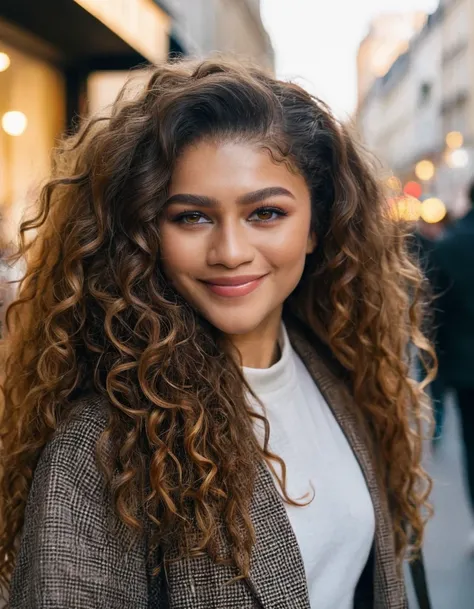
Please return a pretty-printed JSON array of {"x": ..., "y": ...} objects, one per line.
[{"x": 230, "y": 246}]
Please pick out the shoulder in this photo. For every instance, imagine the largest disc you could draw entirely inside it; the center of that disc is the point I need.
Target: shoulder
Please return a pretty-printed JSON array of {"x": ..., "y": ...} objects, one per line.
[
  {"x": 74, "y": 550},
  {"x": 87, "y": 418},
  {"x": 70, "y": 454},
  {"x": 81, "y": 428}
]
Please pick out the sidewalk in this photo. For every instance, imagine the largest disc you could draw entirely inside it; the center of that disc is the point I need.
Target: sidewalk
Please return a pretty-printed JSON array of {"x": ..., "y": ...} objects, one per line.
[{"x": 450, "y": 568}]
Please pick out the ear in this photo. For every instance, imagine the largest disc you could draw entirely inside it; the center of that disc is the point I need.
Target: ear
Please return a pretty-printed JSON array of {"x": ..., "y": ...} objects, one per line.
[{"x": 312, "y": 242}]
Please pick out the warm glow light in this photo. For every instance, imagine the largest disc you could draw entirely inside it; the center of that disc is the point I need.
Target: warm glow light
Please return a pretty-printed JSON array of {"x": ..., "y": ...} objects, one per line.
[
  {"x": 14, "y": 123},
  {"x": 425, "y": 170},
  {"x": 406, "y": 208},
  {"x": 4, "y": 62},
  {"x": 458, "y": 158},
  {"x": 413, "y": 189},
  {"x": 433, "y": 210},
  {"x": 454, "y": 140},
  {"x": 394, "y": 184}
]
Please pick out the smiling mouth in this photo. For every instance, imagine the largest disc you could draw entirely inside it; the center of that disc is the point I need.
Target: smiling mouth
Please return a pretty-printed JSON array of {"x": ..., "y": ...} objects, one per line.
[{"x": 231, "y": 287}]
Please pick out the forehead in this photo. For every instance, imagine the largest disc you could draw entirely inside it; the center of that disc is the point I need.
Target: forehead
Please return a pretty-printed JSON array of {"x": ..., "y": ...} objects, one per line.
[{"x": 212, "y": 168}]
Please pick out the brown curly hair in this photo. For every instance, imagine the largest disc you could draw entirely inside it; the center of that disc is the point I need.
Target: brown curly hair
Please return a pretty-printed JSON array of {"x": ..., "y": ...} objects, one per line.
[{"x": 94, "y": 313}]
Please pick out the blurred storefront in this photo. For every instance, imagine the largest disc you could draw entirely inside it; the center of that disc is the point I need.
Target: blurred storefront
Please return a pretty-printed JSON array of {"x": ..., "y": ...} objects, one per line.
[
  {"x": 49, "y": 51},
  {"x": 32, "y": 114}
]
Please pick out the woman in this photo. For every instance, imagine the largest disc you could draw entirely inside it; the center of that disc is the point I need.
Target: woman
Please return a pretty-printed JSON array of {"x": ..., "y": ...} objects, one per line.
[{"x": 207, "y": 401}]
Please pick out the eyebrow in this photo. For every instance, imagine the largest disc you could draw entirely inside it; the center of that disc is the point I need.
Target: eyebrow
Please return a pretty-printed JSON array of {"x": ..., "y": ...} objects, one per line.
[{"x": 247, "y": 199}]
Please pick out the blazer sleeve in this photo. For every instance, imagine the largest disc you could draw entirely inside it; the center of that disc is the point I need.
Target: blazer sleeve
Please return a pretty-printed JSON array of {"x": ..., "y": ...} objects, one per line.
[{"x": 74, "y": 553}]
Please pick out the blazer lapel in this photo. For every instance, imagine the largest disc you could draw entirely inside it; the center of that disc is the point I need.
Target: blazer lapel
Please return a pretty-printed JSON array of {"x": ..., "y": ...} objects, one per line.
[
  {"x": 389, "y": 590},
  {"x": 277, "y": 575}
]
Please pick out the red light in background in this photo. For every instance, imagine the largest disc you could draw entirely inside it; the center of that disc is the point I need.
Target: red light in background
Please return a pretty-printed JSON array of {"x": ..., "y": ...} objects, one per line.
[{"x": 413, "y": 189}]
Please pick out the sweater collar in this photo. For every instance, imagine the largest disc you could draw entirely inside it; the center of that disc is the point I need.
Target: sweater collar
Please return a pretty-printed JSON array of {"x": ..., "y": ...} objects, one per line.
[{"x": 264, "y": 381}]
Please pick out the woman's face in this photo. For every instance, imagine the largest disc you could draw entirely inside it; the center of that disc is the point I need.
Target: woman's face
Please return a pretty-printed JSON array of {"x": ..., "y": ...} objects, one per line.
[{"x": 235, "y": 233}]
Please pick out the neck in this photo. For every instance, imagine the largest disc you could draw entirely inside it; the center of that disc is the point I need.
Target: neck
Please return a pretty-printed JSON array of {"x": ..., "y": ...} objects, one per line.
[{"x": 259, "y": 348}]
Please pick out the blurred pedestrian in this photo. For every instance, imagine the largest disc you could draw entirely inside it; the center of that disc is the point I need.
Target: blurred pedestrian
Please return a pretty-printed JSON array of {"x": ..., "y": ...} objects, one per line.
[
  {"x": 426, "y": 235},
  {"x": 453, "y": 264},
  {"x": 208, "y": 400}
]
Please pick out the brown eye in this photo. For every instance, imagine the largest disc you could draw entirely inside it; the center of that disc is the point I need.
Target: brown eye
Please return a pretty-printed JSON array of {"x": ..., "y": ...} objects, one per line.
[
  {"x": 192, "y": 218},
  {"x": 267, "y": 214},
  {"x": 264, "y": 214}
]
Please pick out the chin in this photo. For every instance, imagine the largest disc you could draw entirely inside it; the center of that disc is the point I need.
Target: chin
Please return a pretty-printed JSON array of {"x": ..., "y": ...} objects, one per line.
[{"x": 238, "y": 324}]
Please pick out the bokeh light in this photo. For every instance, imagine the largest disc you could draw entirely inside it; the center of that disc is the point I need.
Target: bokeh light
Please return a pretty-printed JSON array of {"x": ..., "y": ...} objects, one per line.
[
  {"x": 458, "y": 158},
  {"x": 413, "y": 189},
  {"x": 424, "y": 170},
  {"x": 394, "y": 184},
  {"x": 14, "y": 123},
  {"x": 454, "y": 139},
  {"x": 433, "y": 210},
  {"x": 406, "y": 209},
  {"x": 4, "y": 62}
]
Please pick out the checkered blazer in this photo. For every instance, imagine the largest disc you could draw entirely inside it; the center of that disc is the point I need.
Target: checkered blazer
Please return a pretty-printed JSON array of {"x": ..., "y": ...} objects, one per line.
[{"x": 76, "y": 554}]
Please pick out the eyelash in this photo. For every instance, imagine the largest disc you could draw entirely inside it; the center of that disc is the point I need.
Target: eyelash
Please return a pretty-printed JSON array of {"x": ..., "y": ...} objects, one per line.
[{"x": 180, "y": 218}]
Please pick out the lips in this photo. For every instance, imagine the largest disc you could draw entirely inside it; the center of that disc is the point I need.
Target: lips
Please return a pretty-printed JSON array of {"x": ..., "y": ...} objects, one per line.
[{"x": 234, "y": 286}]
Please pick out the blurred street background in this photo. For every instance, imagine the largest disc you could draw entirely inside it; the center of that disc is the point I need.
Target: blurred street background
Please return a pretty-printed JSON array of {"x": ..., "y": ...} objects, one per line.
[
  {"x": 448, "y": 551},
  {"x": 401, "y": 72}
]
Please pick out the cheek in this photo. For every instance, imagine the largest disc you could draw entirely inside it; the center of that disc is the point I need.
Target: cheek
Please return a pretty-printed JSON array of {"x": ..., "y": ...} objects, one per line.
[
  {"x": 288, "y": 248},
  {"x": 290, "y": 257},
  {"x": 179, "y": 253}
]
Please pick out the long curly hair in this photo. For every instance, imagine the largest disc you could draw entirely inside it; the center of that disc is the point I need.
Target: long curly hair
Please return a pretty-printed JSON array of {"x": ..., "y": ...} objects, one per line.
[{"x": 94, "y": 313}]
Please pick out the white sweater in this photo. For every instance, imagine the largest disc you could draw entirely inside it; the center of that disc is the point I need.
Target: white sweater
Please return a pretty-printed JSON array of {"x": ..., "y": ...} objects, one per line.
[{"x": 335, "y": 531}]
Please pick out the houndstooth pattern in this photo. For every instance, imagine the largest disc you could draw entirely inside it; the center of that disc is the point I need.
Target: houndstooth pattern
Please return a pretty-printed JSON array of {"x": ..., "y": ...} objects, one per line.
[
  {"x": 69, "y": 556},
  {"x": 75, "y": 554}
]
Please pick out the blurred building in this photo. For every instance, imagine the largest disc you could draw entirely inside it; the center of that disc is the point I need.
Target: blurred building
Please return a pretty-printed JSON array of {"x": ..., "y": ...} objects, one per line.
[
  {"x": 388, "y": 37},
  {"x": 457, "y": 104},
  {"x": 418, "y": 118},
  {"x": 203, "y": 26}
]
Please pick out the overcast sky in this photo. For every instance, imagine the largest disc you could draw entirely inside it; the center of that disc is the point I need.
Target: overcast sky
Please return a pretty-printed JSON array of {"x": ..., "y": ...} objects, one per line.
[{"x": 316, "y": 41}]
